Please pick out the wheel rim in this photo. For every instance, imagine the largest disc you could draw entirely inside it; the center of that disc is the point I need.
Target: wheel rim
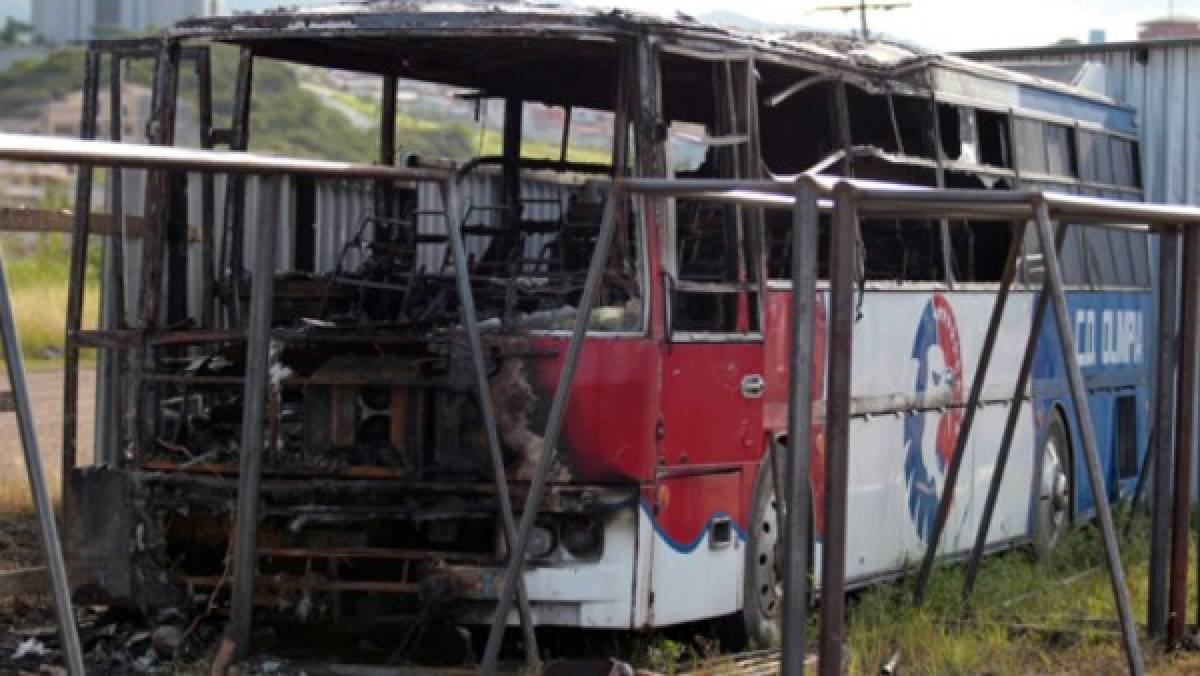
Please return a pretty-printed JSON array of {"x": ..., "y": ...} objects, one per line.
[
  {"x": 1054, "y": 496},
  {"x": 768, "y": 582}
]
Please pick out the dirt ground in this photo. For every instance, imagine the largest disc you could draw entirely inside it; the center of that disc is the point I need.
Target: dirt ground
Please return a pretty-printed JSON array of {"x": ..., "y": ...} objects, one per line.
[{"x": 45, "y": 393}]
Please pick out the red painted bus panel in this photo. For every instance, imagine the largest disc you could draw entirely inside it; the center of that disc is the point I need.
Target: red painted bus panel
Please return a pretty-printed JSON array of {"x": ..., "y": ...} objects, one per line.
[{"x": 609, "y": 430}]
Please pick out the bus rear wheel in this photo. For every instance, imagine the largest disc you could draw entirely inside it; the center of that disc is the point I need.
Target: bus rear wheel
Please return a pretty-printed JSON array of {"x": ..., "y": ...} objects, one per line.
[{"x": 1053, "y": 506}]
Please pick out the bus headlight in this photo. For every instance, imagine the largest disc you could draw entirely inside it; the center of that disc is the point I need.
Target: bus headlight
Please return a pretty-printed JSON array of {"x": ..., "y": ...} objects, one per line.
[
  {"x": 583, "y": 536},
  {"x": 542, "y": 542}
]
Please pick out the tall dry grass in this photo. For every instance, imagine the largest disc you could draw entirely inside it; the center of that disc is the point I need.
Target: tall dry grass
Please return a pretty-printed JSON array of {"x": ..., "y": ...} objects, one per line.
[{"x": 37, "y": 270}]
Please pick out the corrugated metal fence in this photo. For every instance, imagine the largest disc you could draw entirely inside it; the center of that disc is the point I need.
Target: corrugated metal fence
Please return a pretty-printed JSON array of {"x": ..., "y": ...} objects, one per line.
[{"x": 342, "y": 208}]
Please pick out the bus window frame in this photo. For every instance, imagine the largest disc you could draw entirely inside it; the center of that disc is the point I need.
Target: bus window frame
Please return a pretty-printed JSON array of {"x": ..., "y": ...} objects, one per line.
[
  {"x": 752, "y": 247},
  {"x": 624, "y": 136}
]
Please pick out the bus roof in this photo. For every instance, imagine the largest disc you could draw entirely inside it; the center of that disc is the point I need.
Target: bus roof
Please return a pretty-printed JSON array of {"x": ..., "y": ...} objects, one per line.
[{"x": 495, "y": 48}]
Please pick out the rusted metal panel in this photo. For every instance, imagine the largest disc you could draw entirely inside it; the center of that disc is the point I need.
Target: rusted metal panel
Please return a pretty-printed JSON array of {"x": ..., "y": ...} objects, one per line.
[{"x": 99, "y": 526}]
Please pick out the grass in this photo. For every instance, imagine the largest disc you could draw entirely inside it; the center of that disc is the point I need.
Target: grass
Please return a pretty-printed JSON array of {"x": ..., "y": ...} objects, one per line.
[
  {"x": 37, "y": 273},
  {"x": 1027, "y": 617}
]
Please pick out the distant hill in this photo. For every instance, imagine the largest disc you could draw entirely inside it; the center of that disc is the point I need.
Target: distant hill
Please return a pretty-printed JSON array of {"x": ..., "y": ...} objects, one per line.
[{"x": 286, "y": 119}]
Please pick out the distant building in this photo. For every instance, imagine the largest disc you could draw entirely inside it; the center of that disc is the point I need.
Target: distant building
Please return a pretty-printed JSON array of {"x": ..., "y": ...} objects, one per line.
[
  {"x": 74, "y": 20},
  {"x": 26, "y": 185},
  {"x": 1174, "y": 26}
]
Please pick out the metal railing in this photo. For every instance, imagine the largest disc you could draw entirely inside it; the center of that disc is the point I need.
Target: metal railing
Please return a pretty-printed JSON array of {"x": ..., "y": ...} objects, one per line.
[{"x": 807, "y": 197}]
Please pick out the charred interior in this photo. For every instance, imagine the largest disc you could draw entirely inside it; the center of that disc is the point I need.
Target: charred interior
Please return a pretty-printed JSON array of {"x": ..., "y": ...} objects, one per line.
[{"x": 377, "y": 492}]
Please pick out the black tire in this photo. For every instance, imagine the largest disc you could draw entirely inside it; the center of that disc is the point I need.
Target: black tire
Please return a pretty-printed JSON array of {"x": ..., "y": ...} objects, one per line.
[
  {"x": 1054, "y": 489},
  {"x": 759, "y": 622}
]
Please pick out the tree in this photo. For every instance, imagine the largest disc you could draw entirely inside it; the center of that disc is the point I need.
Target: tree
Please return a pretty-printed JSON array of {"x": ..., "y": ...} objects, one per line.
[{"x": 12, "y": 31}]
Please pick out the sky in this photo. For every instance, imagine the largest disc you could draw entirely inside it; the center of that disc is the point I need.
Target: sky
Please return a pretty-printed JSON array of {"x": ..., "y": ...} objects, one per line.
[
  {"x": 953, "y": 25},
  {"x": 948, "y": 25}
]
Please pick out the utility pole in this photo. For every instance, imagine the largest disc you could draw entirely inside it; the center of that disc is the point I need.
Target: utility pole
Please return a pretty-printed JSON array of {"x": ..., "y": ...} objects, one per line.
[{"x": 862, "y": 7}]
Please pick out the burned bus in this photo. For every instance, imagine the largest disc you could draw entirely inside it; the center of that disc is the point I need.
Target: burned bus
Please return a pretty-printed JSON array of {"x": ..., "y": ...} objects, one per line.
[{"x": 376, "y": 493}]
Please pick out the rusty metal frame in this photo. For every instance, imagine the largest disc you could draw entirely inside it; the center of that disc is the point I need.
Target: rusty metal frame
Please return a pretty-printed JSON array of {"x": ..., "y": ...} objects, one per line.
[
  {"x": 1185, "y": 435},
  {"x": 78, "y": 265},
  {"x": 115, "y": 366},
  {"x": 1161, "y": 438},
  {"x": 237, "y": 138}
]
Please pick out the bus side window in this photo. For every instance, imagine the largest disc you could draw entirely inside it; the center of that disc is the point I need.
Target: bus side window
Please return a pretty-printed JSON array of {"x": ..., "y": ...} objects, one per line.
[
  {"x": 1044, "y": 147},
  {"x": 798, "y": 131},
  {"x": 980, "y": 249},
  {"x": 1071, "y": 257},
  {"x": 1096, "y": 158},
  {"x": 902, "y": 250},
  {"x": 1125, "y": 167},
  {"x": 995, "y": 147},
  {"x": 715, "y": 273}
]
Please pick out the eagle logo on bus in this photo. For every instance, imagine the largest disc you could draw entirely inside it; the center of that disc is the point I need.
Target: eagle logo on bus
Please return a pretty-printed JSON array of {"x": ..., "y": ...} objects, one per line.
[{"x": 937, "y": 354}]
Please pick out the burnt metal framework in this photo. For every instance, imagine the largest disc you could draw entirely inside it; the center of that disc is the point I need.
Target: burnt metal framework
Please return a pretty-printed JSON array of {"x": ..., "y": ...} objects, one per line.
[
  {"x": 167, "y": 57},
  {"x": 93, "y": 153}
]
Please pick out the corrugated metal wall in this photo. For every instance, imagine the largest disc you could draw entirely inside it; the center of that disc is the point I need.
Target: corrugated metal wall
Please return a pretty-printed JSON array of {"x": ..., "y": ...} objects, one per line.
[
  {"x": 341, "y": 207},
  {"x": 1162, "y": 82}
]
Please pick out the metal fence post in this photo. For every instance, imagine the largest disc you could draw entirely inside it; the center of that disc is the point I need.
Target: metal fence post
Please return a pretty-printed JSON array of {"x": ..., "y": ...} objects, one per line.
[
  {"x": 1185, "y": 435},
  {"x": 1164, "y": 412},
  {"x": 466, "y": 301},
  {"x": 797, "y": 512},
  {"x": 842, "y": 268},
  {"x": 51, "y": 545},
  {"x": 1079, "y": 397},
  {"x": 254, "y": 396}
]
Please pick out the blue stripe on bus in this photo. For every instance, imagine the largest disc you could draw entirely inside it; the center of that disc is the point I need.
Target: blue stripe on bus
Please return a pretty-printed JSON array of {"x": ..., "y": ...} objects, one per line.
[
  {"x": 1070, "y": 106},
  {"x": 689, "y": 547}
]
